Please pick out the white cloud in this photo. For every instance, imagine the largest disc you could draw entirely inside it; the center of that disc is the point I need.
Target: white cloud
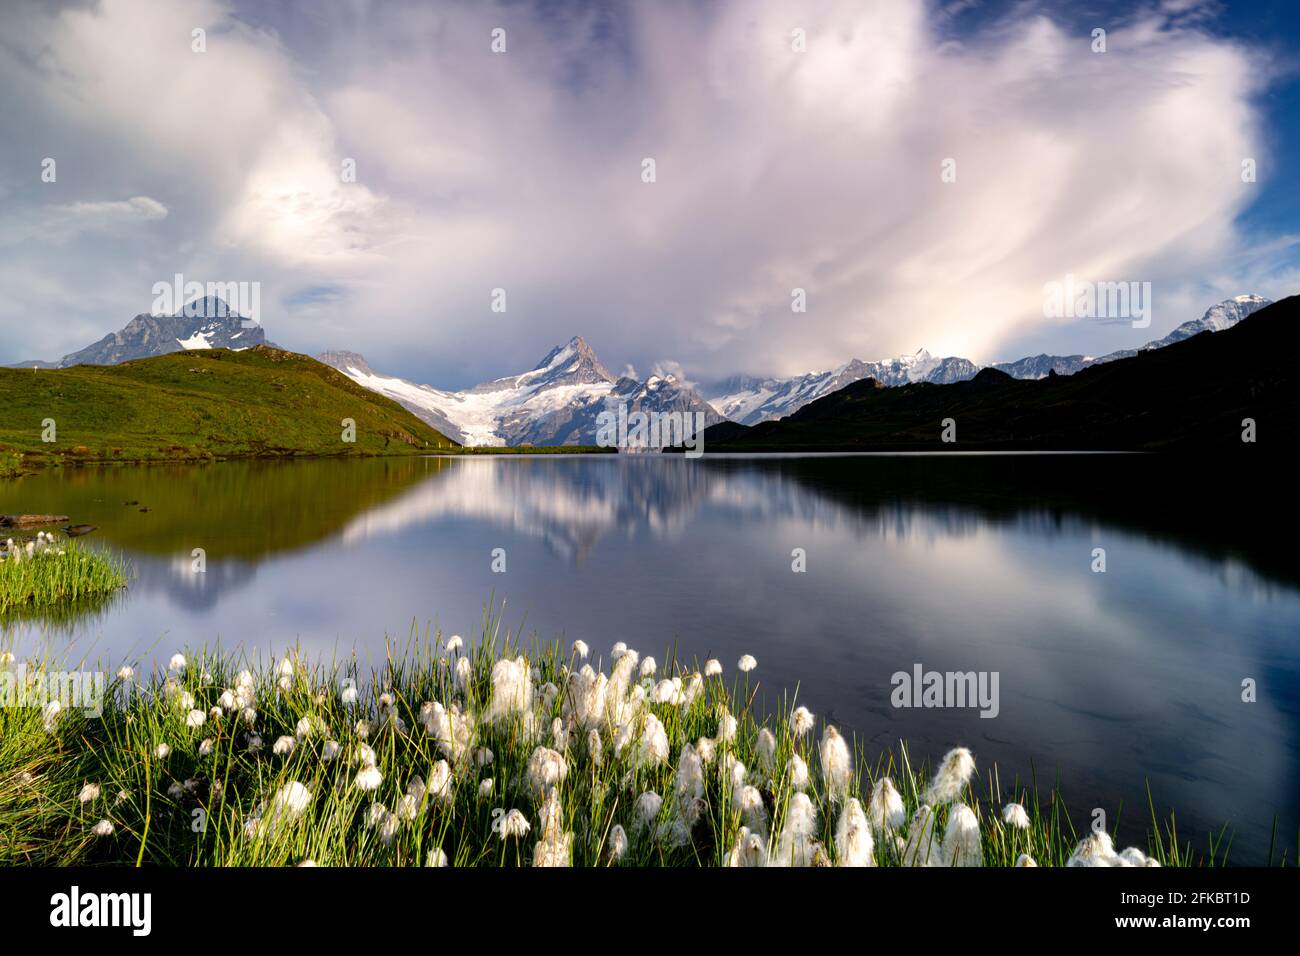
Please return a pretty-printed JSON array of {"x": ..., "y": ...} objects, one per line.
[{"x": 776, "y": 169}]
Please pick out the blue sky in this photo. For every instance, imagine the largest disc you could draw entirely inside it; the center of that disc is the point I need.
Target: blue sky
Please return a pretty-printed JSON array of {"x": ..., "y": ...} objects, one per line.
[{"x": 780, "y": 165}]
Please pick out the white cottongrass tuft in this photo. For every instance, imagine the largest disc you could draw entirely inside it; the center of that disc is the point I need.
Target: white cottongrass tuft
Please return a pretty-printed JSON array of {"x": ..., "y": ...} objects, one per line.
[
  {"x": 922, "y": 847},
  {"x": 289, "y": 803},
  {"x": 330, "y": 749},
  {"x": 368, "y": 778},
  {"x": 177, "y": 663},
  {"x": 125, "y": 673},
  {"x": 512, "y": 824},
  {"x": 648, "y": 667},
  {"x": 885, "y": 811},
  {"x": 1025, "y": 859},
  {"x": 747, "y": 663},
  {"x": 162, "y": 751},
  {"x": 802, "y": 721},
  {"x": 581, "y": 649},
  {"x": 1014, "y": 815},
  {"x": 512, "y": 689},
  {"x": 726, "y": 727},
  {"x": 102, "y": 829},
  {"x": 961, "y": 838},
  {"x": 837, "y": 764},
  {"x": 646, "y": 809},
  {"x": 798, "y": 772},
  {"x": 284, "y": 746},
  {"x": 953, "y": 775},
  {"x": 454, "y": 644},
  {"x": 205, "y": 748},
  {"x": 712, "y": 667},
  {"x": 436, "y": 857},
  {"x": 546, "y": 769},
  {"x": 750, "y": 849},
  {"x": 195, "y": 719},
  {"x": 798, "y": 846},
  {"x": 766, "y": 751},
  {"x": 88, "y": 793},
  {"x": 853, "y": 843}
]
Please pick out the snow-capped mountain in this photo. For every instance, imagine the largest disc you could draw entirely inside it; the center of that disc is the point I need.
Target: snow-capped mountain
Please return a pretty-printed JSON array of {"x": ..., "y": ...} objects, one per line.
[
  {"x": 749, "y": 400},
  {"x": 555, "y": 403},
  {"x": 203, "y": 324}
]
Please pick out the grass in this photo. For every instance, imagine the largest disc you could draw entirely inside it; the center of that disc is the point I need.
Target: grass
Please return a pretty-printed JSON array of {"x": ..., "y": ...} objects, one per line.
[
  {"x": 54, "y": 576},
  {"x": 217, "y": 798},
  {"x": 11, "y": 464},
  {"x": 201, "y": 405}
]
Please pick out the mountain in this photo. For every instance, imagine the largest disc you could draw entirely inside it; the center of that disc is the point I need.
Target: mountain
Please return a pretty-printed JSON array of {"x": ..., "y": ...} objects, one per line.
[
  {"x": 555, "y": 403},
  {"x": 1192, "y": 393},
  {"x": 750, "y": 400},
  {"x": 195, "y": 405},
  {"x": 210, "y": 324}
]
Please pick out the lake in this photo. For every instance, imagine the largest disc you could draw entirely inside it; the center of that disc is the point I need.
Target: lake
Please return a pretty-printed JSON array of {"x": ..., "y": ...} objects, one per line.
[{"x": 1108, "y": 680}]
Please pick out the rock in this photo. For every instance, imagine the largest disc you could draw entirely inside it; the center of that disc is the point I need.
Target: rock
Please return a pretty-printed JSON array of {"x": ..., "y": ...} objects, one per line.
[
  {"x": 77, "y": 530},
  {"x": 29, "y": 521}
]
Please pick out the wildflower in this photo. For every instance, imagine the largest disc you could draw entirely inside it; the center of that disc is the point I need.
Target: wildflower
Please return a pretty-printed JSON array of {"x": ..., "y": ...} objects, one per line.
[
  {"x": 464, "y": 672},
  {"x": 308, "y": 726},
  {"x": 712, "y": 667},
  {"x": 546, "y": 768},
  {"x": 216, "y": 713},
  {"x": 383, "y": 822},
  {"x": 512, "y": 689},
  {"x": 801, "y": 721},
  {"x": 330, "y": 750},
  {"x": 1025, "y": 859},
  {"x": 1135, "y": 857},
  {"x": 618, "y": 650},
  {"x": 176, "y": 791},
  {"x": 798, "y": 772},
  {"x": 594, "y": 747},
  {"x": 707, "y": 750},
  {"x": 368, "y": 778},
  {"x": 1013, "y": 814},
  {"x": 485, "y": 788},
  {"x": 349, "y": 695},
  {"x": 797, "y": 846},
  {"x": 689, "y": 783},
  {"x": 1096, "y": 849},
  {"x": 285, "y": 684},
  {"x": 746, "y": 663},
  {"x": 581, "y": 650},
  {"x": 122, "y": 797},
  {"x": 749, "y": 800},
  {"x": 102, "y": 829},
  {"x": 440, "y": 782},
  {"x": 853, "y": 843},
  {"x": 693, "y": 689},
  {"x": 51, "y": 715},
  {"x": 362, "y": 729},
  {"x": 254, "y": 743},
  {"x": 366, "y": 756},
  {"x": 88, "y": 793},
  {"x": 125, "y": 673},
  {"x": 837, "y": 763},
  {"x": 668, "y": 692},
  {"x": 961, "y": 839},
  {"x": 185, "y": 700},
  {"x": 436, "y": 857},
  {"x": 617, "y": 843},
  {"x": 749, "y": 850},
  {"x": 285, "y": 669},
  {"x": 512, "y": 824},
  {"x": 408, "y": 805},
  {"x": 195, "y": 719},
  {"x": 652, "y": 748},
  {"x": 249, "y": 716},
  {"x": 284, "y": 745},
  {"x": 177, "y": 664},
  {"x": 726, "y": 727},
  {"x": 162, "y": 751},
  {"x": 307, "y": 863},
  {"x": 559, "y": 734},
  {"x": 951, "y": 779},
  {"x": 483, "y": 757},
  {"x": 205, "y": 748},
  {"x": 922, "y": 847},
  {"x": 648, "y": 667},
  {"x": 885, "y": 811},
  {"x": 554, "y": 851},
  {"x": 454, "y": 643},
  {"x": 646, "y": 809}
]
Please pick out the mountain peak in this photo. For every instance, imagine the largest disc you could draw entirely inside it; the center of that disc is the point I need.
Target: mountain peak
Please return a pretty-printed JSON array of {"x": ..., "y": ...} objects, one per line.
[{"x": 343, "y": 360}]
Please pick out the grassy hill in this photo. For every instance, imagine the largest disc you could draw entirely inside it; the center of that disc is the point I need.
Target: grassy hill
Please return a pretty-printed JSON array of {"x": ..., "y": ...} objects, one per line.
[
  {"x": 200, "y": 405},
  {"x": 1192, "y": 395}
]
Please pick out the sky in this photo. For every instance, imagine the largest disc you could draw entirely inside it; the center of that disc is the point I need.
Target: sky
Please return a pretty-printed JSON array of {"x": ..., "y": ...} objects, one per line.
[{"x": 921, "y": 170}]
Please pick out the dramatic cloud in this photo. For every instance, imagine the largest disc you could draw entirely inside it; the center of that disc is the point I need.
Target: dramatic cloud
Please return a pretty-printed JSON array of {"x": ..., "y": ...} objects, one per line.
[{"x": 783, "y": 160}]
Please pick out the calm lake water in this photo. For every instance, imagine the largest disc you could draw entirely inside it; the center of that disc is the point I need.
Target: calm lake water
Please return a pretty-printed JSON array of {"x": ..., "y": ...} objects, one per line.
[{"x": 1110, "y": 681}]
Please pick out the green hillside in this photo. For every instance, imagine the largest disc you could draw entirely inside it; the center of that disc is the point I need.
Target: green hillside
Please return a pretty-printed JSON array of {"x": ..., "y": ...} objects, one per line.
[{"x": 201, "y": 405}]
